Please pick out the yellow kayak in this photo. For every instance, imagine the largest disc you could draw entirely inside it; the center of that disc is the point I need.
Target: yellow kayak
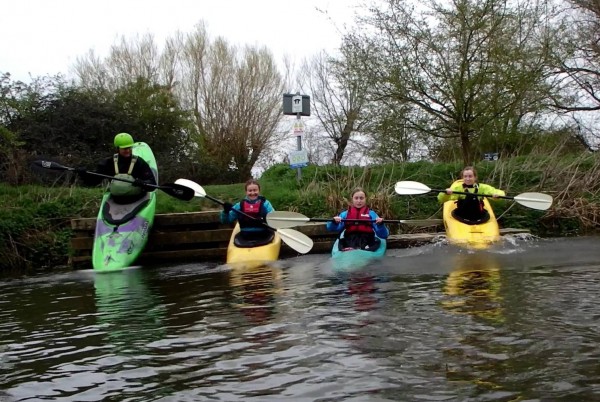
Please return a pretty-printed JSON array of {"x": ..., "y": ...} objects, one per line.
[
  {"x": 255, "y": 289},
  {"x": 244, "y": 251},
  {"x": 476, "y": 236},
  {"x": 474, "y": 287}
]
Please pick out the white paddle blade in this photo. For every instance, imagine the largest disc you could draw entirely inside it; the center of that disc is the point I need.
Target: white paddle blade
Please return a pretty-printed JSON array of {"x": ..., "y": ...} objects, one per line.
[
  {"x": 538, "y": 201},
  {"x": 411, "y": 188},
  {"x": 285, "y": 219},
  {"x": 296, "y": 240},
  {"x": 198, "y": 190}
]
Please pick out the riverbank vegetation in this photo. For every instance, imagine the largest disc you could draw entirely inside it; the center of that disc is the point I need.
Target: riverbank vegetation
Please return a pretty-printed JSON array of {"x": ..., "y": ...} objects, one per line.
[{"x": 35, "y": 220}]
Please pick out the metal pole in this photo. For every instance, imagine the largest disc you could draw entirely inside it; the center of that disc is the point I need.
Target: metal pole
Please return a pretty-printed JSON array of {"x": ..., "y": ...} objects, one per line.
[{"x": 299, "y": 141}]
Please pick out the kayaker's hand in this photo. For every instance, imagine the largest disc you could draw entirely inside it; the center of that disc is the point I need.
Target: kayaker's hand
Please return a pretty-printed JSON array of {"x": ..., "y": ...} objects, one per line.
[
  {"x": 379, "y": 221},
  {"x": 495, "y": 195},
  {"x": 337, "y": 219},
  {"x": 448, "y": 191},
  {"x": 227, "y": 207}
]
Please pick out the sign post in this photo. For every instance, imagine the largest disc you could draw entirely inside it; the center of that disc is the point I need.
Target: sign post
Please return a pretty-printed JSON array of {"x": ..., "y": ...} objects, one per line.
[{"x": 298, "y": 105}]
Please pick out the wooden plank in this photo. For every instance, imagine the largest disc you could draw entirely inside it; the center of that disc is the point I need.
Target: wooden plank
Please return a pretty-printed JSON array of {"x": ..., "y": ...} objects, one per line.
[
  {"x": 166, "y": 238},
  {"x": 187, "y": 218},
  {"x": 507, "y": 231},
  {"x": 210, "y": 254},
  {"x": 315, "y": 230},
  {"x": 195, "y": 236},
  {"x": 161, "y": 220},
  {"x": 82, "y": 243},
  {"x": 320, "y": 246},
  {"x": 199, "y": 235},
  {"x": 84, "y": 224}
]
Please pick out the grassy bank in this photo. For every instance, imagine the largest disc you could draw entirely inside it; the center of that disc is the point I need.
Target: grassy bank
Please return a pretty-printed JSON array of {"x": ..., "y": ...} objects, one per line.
[{"x": 35, "y": 231}]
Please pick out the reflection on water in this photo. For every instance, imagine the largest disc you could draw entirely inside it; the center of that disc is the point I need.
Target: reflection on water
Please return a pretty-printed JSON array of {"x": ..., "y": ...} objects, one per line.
[
  {"x": 520, "y": 321},
  {"x": 254, "y": 290},
  {"x": 474, "y": 286},
  {"x": 127, "y": 309},
  {"x": 359, "y": 288},
  {"x": 363, "y": 289}
]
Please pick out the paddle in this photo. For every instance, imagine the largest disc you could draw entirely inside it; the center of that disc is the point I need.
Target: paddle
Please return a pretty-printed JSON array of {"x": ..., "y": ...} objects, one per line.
[
  {"x": 296, "y": 240},
  {"x": 175, "y": 190},
  {"x": 538, "y": 201},
  {"x": 288, "y": 219}
]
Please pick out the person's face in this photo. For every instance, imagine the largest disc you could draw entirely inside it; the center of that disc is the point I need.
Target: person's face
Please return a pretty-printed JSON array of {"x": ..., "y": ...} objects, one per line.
[
  {"x": 469, "y": 177},
  {"x": 125, "y": 152},
  {"x": 359, "y": 199},
  {"x": 252, "y": 191}
]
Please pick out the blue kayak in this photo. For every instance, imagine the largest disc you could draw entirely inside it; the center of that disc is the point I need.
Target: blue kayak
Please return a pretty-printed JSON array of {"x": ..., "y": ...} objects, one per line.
[{"x": 355, "y": 258}]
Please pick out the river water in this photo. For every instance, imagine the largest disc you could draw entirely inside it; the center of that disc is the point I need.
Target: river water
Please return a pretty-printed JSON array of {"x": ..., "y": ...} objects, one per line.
[{"x": 433, "y": 323}]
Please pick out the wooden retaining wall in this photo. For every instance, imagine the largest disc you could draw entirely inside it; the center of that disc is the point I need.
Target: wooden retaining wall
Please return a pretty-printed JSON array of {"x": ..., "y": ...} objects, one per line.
[{"x": 198, "y": 236}]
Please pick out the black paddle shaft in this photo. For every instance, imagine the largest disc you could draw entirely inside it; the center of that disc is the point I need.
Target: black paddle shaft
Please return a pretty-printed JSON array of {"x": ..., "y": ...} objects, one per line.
[
  {"x": 506, "y": 197},
  {"x": 176, "y": 190},
  {"x": 237, "y": 211}
]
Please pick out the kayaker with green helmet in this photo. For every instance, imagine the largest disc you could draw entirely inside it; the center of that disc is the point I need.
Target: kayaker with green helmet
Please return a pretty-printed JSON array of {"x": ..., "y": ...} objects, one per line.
[{"x": 123, "y": 165}]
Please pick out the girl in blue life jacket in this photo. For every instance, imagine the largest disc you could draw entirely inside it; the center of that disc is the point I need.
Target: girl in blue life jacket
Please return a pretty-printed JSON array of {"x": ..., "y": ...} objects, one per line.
[
  {"x": 360, "y": 225},
  {"x": 254, "y": 205}
]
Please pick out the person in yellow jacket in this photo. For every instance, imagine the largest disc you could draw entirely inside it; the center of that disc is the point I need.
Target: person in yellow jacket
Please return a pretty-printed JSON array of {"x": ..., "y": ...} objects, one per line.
[{"x": 469, "y": 207}]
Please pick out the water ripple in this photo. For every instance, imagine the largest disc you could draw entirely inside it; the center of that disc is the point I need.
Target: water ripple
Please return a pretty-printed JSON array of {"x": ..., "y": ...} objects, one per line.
[{"x": 431, "y": 324}]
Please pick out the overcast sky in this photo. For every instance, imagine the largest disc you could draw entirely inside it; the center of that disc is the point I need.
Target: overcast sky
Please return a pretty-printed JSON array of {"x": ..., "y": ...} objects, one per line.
[{"x": 41, "y": 37}]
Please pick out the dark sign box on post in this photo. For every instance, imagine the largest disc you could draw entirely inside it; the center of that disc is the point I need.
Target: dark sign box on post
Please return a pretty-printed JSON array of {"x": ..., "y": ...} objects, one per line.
[{"x": 296, "y": 103}]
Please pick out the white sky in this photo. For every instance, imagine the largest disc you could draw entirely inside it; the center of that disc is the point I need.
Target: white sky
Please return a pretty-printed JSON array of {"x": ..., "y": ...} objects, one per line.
[{"x": 41, "y": 37}]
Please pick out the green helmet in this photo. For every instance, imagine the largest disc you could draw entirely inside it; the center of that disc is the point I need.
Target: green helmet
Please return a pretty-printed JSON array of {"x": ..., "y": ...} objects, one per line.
[{"x": 123, "y": 140}]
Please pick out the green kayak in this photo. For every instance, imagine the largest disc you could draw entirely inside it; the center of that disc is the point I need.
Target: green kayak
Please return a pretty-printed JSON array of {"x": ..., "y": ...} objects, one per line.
[{"x": 122, "y": 230}]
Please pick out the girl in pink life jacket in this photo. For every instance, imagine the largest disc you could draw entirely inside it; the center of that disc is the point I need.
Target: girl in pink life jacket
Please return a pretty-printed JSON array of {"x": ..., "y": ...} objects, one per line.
[
  {"x": 254, "y": 205},
  {"x": 359, "y": 234}
]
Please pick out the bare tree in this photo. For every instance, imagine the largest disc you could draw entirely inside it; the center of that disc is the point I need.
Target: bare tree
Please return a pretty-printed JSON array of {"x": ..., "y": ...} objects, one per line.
[
  {"x": 462, "y": 66},
  {"x": 577, "y": 63},
  {"x": 576, "y": 66},
  {"x": 235, "y": 97},
  {"x": 339, "y": 97},
  {"x": 234, "y": 94},
  {"x": 128, "y": 60}
]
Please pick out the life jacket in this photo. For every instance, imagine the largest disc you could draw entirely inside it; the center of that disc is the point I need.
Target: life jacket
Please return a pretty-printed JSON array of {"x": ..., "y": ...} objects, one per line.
[
  {"x": 358, "y": 227},
  {"x": 471, "y": 204},
  {"x": 121, "y": 188},
  {"x": 256, "y": 210}
]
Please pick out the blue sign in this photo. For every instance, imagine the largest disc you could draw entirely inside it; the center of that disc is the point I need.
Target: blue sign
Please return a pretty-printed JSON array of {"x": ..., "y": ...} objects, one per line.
[{"x": 298, "y": 159}]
